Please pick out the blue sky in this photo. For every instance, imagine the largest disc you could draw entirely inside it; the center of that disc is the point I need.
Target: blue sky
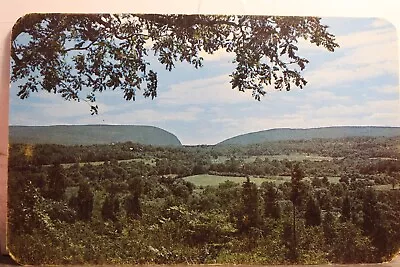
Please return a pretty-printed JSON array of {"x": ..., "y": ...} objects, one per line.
[{"x": 355, "y": 85}]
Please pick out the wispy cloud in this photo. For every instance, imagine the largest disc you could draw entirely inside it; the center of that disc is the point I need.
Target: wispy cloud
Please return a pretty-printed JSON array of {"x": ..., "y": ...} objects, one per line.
[
  {"x": 367, "y": 37},
  {"x": 145, "y": 116},
  {"x": 381, "y": 23},
  {"x": 387, "y": 89},
  {"x": 366, "y": 55},
  {"x": 212, "y": 90},
  {"x": 218, "y": 55},
  {"x": 326, "y": 95}
]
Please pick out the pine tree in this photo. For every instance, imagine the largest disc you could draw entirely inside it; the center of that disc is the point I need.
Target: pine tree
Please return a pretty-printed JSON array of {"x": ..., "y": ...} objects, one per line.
[
  {"x": 132, "y": 204},
  {"x": 328, "y": 225},
  {"x": 250, "y": 216},
  {"x": 56, "y": 182},
  {"x": 346, "y": 209},
  {"x": 295, "y": 196},
  {"x": 110, "y": 208},
  {"x": 313, "y": 213},
  {"x": 271, "y": 205},
  {"x": 84, "y": 202},
  {"x": 133, "y": 207},
  {"x": 371, "y": 214}
]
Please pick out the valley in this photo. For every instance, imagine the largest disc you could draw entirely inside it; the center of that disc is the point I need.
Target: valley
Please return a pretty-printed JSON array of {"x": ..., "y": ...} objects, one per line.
[{"x": 132, "y": 203}]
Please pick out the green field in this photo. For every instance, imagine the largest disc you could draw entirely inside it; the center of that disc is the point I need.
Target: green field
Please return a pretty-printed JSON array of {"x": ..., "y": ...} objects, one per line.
[
  {"x": 152, "y": 162},
  {"x": 290, "y": 157},
  {"x": 334, "y": 179},
  {"x": 386, "y": 187},
  {"x": 215, "y": 180}
]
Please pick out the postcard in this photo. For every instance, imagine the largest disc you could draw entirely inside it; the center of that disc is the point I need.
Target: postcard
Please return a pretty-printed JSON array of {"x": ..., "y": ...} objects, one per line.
[{"x": 203, "y": 139}]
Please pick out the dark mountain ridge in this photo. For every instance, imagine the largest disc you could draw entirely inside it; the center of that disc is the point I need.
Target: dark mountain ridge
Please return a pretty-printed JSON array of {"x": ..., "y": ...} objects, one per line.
[
  {"x": 92, "y": 134},
  {"x": 280, "y": 134}
]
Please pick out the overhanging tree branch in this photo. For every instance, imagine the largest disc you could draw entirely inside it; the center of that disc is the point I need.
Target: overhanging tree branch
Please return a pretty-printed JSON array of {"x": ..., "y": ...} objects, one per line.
[{"x": 110, "y": 50}]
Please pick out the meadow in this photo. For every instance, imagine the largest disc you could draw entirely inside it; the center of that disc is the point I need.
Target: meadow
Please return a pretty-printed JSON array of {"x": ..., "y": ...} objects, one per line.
[
  {"x": 289, "y": 157},
  {"x": 202, "y": 180}
]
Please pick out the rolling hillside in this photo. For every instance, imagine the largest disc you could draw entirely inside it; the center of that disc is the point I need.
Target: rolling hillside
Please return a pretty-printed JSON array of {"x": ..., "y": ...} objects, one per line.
[
  {"x": 306, "y": 134},
  {"x": 92, "y": 134}
]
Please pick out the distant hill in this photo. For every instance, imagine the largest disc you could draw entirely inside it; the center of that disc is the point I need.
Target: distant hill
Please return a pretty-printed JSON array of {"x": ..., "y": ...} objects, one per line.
[
  {"x": 306, "y": 134},
  {"x": 92, "y": 134}
]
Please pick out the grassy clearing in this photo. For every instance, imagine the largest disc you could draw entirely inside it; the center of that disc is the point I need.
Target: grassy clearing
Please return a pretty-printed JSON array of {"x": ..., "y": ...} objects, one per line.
[
  {"x": 331, "y": 179},
  {"x": 385, "y": 187},
  {"x": 334, "y": 179},
  {"x": 215, "y": 180},
  {"x": 151, "y": 162},
  {"x": 290, "y": 157}
]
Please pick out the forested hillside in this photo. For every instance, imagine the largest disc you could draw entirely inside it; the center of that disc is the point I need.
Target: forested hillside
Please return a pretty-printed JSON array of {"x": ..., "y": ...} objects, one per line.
[
  {"x": 301, "y": 134},
  {"x": 298, "y": 201},
  {"x": 91, "y": 134}
]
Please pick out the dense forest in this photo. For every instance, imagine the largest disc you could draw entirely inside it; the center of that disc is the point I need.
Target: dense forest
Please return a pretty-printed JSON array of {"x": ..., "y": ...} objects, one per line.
[{"x": 295, "y": 201}]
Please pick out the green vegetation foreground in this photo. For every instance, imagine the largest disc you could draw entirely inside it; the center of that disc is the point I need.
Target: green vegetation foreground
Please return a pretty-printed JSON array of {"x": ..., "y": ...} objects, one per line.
[{"x": 145, "y": 210}]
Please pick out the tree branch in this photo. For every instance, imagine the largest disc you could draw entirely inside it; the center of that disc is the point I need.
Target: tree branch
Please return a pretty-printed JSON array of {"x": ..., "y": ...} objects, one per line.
[{"x": 79, "y": 48}]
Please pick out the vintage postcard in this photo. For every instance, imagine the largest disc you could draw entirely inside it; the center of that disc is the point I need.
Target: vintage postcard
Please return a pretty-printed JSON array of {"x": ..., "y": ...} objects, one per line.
[{"x": 203, "y": 139}]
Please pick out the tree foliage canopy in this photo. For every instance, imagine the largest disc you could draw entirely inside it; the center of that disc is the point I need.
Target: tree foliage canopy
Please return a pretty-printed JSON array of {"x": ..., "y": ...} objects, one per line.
[{"x": 75, "y": 54}]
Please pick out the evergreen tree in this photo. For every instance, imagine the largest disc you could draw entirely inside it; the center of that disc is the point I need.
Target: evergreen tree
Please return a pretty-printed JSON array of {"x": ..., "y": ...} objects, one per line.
[
  {"x": 296, "y": 176},
  {"x": 83, "y": 203},
  {"x": 271, "y": 205},
  {"x": 374, "y": 224},
  {"x": 57, "y": 182},
  {"x": 371, "y": 216},
  {"x": 250, "y": 216},
  {"x": 110, "y": 208},
  {"x": 133, "y": 205},
  {"x": 313, "y": 213},
  {"x": 346, "y": 209},
  {"x": 328, "y": 225},
  {"x": 287, "y": 240}
]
